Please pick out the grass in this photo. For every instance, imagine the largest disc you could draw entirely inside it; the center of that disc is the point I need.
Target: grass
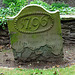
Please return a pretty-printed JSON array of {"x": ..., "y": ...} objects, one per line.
[{"x": 52, "y": 71}]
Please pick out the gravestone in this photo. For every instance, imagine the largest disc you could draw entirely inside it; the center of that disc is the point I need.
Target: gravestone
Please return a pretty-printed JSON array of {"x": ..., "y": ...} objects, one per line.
[{"x": 36, "y": 34}]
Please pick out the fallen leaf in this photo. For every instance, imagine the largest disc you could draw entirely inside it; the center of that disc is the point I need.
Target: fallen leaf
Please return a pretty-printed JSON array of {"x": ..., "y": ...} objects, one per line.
[
  {"x": 36, "y": 73},
  {"x": 19, "y": 66},
  {"x": 1, "y": 47},
  {"x": 68, "y": 65},
  {"x": 55, "y": 73},
  {"x": 53, "y": 66},
  {"x": 41, "y": 72},
  {"x": 57, "y": 65}
]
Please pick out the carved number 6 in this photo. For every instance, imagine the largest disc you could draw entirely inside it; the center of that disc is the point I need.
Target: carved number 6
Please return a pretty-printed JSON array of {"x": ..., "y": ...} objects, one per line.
[{"x": 44, "y": 20}]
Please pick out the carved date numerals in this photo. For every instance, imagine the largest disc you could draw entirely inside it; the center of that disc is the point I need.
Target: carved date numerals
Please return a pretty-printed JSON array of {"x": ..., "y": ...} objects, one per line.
[{"x": 33, "y": 23}]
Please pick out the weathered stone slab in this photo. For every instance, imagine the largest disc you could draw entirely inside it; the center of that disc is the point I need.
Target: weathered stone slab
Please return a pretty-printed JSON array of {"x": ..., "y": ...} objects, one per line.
[{"x": 36, "y": 34}]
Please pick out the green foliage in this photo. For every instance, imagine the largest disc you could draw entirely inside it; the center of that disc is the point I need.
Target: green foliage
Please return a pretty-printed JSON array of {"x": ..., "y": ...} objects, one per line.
[
  {"x": 3, "y": 18},
  {"x": 17, "y": 2},
  {"x": 63, "y": 8},
  {"x": 59, "y": 4},
  {"x": 39, "y": 2},
  {"x": 12, "y": 10},
  {"x": 51, "y": 71},
  {"x": 14, "y": 6},
  {"x": 8, "y": 1},
  {"x": 21, "y": 2}
]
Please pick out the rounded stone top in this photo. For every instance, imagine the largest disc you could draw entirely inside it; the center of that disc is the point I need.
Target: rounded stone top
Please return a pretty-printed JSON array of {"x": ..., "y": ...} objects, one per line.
[{"x": 30, "y": 5}]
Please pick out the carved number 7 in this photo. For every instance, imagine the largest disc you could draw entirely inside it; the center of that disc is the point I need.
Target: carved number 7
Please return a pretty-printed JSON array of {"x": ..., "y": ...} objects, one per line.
[{"x": 28, "y": 21}]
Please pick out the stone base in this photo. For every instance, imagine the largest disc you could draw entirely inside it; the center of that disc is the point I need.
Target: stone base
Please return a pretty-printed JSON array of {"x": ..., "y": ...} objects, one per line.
[{"x": 41, "y": 54}]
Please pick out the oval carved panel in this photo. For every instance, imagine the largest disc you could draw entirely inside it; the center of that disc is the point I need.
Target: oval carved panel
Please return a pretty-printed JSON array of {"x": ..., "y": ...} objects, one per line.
[{"x": 34, "y": 23}]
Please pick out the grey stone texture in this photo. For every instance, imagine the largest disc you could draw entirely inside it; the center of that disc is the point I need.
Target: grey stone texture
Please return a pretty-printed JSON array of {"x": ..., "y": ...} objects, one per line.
[
  {"x": 68, "y": 32},
  {"x": 68, "y": 28},
  {"x": 1, "y": 3},
  {"x": 36, "y": 34},
  {"x": 4, "y": 36}
]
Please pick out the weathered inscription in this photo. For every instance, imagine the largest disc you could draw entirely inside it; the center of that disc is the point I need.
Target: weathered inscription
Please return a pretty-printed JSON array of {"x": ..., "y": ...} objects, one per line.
[
  {"x": 35, "y": 35},
  {"x": 34, "y": 23}
]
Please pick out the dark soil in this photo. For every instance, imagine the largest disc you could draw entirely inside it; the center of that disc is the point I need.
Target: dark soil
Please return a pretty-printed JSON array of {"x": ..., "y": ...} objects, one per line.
[{"x": 7, "y": 60}]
